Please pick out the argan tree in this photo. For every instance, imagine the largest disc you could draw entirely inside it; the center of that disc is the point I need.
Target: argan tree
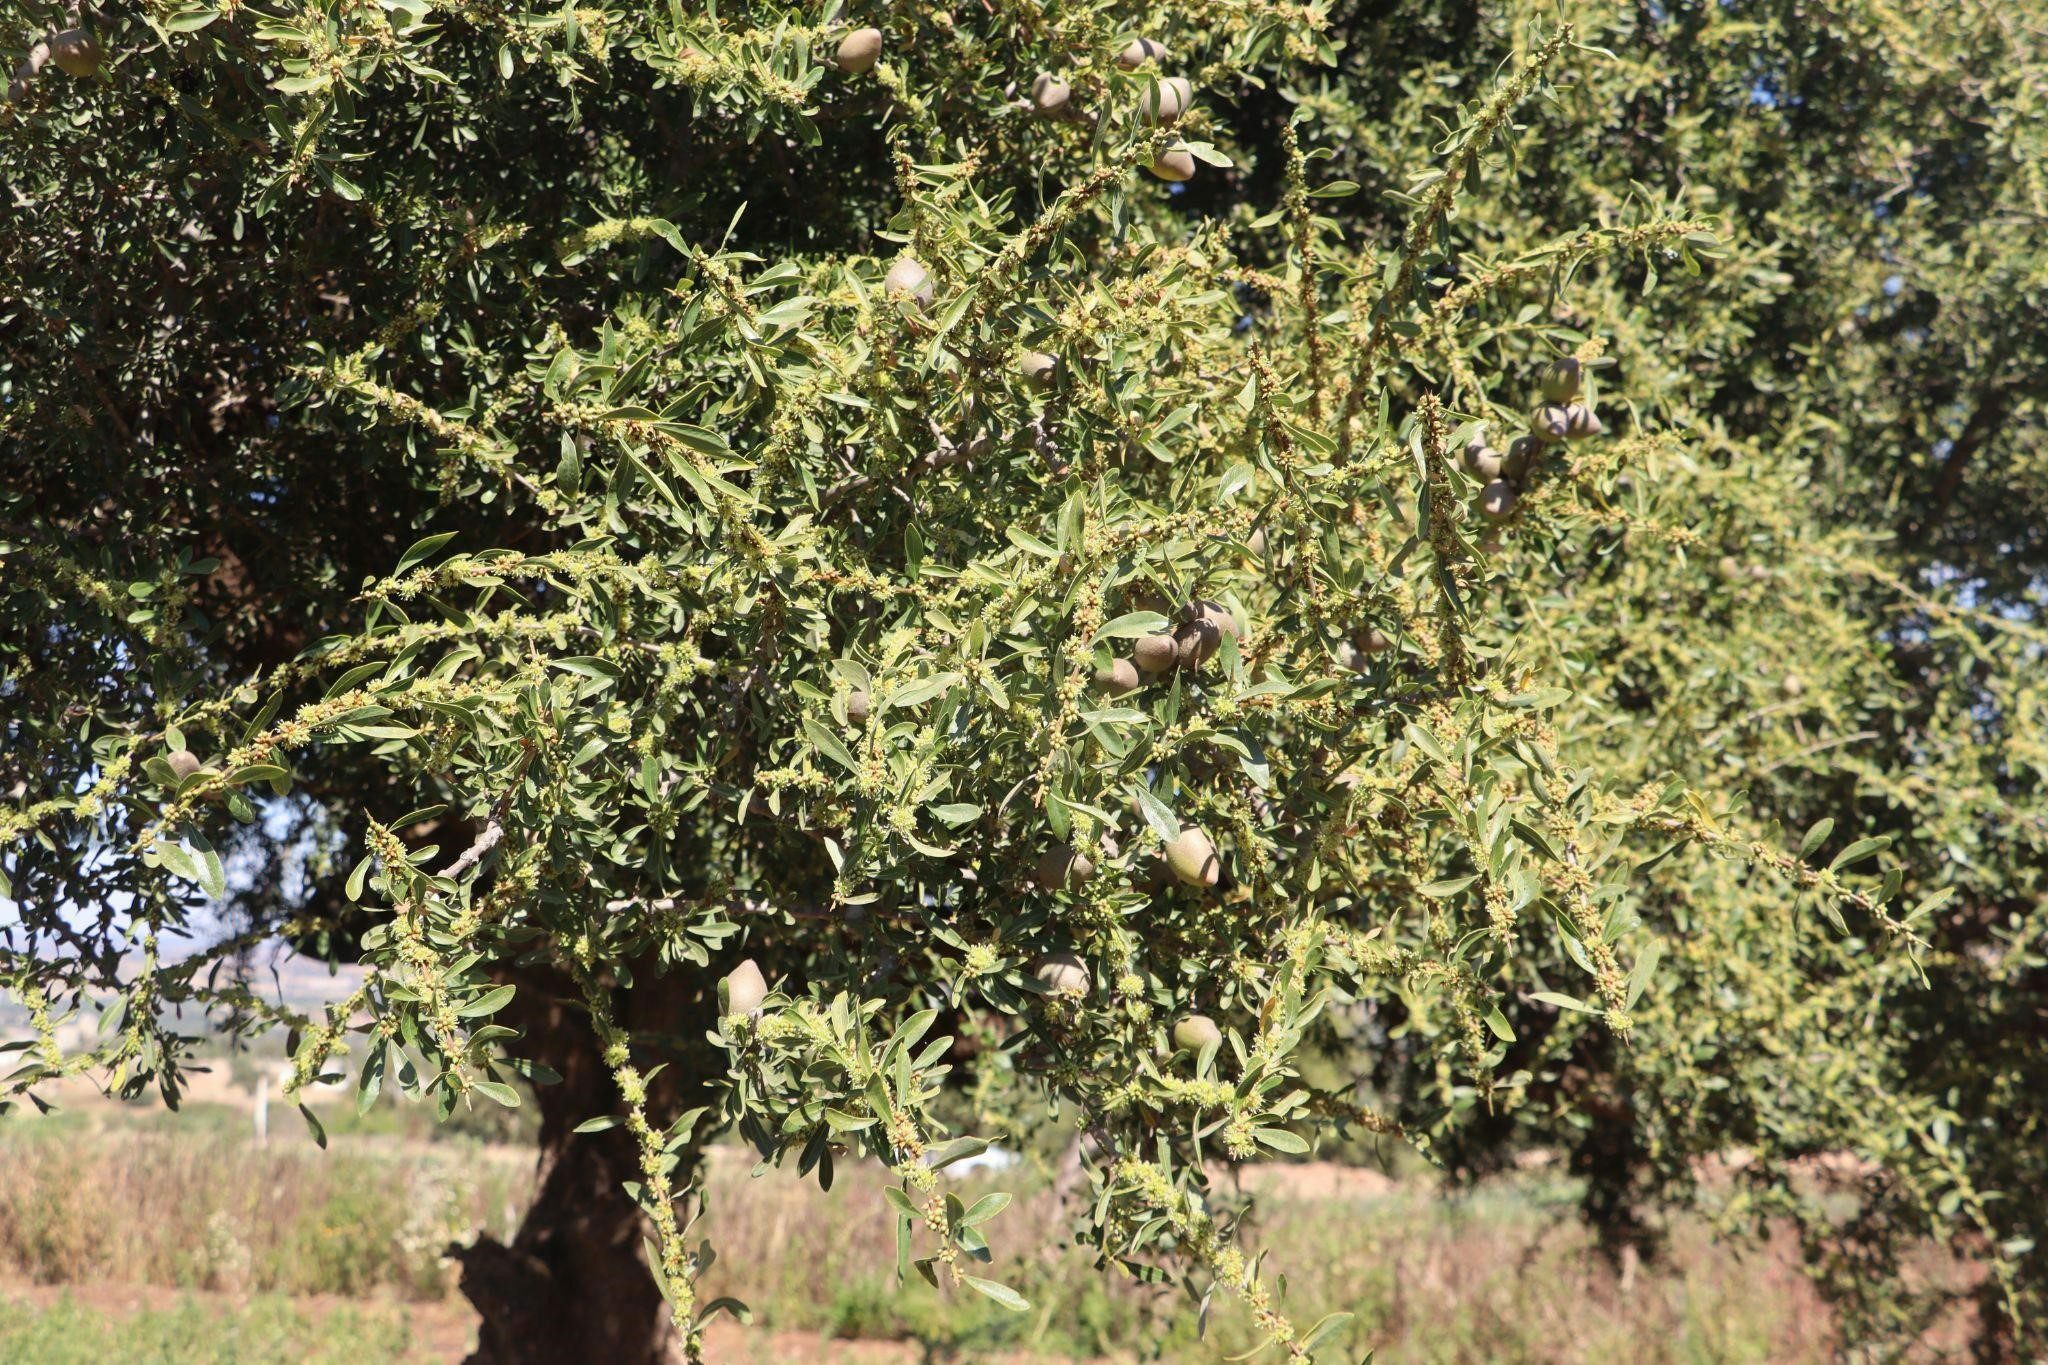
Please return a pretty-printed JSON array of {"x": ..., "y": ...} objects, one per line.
[{"x": 1249, "y": 572}]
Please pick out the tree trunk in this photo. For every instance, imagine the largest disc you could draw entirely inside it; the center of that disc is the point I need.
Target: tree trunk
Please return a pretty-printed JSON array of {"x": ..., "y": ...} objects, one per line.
[{"x": 574, "y": 1283}]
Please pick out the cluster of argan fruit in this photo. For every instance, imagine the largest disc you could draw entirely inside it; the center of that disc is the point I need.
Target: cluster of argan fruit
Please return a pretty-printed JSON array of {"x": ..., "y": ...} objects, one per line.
[
  {"x": 1561, "y": 416},
  {"x": 1165, "y": 101},
  {"x": 1192, "y": 642}
]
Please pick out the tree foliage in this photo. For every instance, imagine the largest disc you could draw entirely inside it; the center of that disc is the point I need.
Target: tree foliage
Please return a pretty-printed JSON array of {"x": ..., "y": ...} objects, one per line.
[{"x": 611, "y": 495}]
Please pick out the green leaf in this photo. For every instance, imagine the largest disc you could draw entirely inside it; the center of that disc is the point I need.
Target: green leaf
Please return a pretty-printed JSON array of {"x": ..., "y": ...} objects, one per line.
[
  {"x": 599, "y": 1124},
  {"x": 1281, "y": 1140},
  {"x": 421, "y": 550},
  {"x": 490, "y": 1002},
  {"x": 1860, "y": 850},
  {"x": 827, "y": 743},
  {"x": 497, "y": 1090},
  {"x": 1132, "y": 625},
  {"x": 1001, "y": 1293},
  {"x": 1815, "y": 837}
]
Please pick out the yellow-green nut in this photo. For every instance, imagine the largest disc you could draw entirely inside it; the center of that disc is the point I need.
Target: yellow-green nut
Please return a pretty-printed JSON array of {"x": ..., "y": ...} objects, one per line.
[
  {"x": 1195, "y": 1032},
  {"x": 1562, "y": 379},
  {"x": 1117, "y": 678},
  {"x": 1192, "y": 858},
  {"x": 1520, "y": 459},
  {"x": 1580, "y": 422},
  {"x": 859, "y": 51},
  {"x": 1175, "y": 166},
  {"x": 745, "y": 988},
  {"x": 1049, "y": 94},
  {"x": 1064, "y": 972},
  {"x": 857, "y": 707},
  {"x": 1155, "y": 653},
  {"x": 1040, "y": 371},
  {"x": 1498, "y": 499},
  {"x": 1139, "y": 51},
  {"x": 75, "y": 52},
  {"x": 1549, "y": 422},
  {"x": 183, "y": 762},
  {"x": 1166, "y": 100},
  {"x": 1061, "y": 866},
  {"x": 908, "y": 279}
]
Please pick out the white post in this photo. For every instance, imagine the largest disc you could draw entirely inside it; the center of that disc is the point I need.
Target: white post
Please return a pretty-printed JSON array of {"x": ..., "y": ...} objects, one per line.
[{"x": 263, "y": 1107}]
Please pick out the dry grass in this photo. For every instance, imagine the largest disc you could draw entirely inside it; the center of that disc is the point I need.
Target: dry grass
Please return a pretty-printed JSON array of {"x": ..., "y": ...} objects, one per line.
[{"x": 111, "y": 1198}]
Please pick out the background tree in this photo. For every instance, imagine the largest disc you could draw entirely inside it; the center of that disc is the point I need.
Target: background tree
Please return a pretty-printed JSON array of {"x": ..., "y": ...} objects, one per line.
[{"x": 586, "y": 488}]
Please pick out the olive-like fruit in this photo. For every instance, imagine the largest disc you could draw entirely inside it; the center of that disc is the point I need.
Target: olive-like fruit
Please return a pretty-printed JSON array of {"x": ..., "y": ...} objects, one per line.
[
  {"x": 858, "y": 706},
  {"x": 1498, "y": 499},
  {"x": 1206, "y": 609},
  {"x": 1256, "y": 543},
  {"x": 1192, "y": 858},
  {"x": 1060, "y": 866},
  {"x": 75, "y": 52},
  {"x": 1155, "y": 653},
  {"x": 1196, "y": 642},
  {"x": 1049, "y": 94},
  {"x": 1175, "y": 166},
  {"x": 1118, "y": 678},
  {"x": 1562, "y": 379},
  {"x": 1040, "y": 370},
  {"x": 859, "y": 51},
  {"x": 183, "y": 762},
  {"x": 1138, "y": 51},
  {"x": 745, "y": 988},
  {"x": 1484, "y": 463},
  {"x": 1549, "y": 422},
  {"x": 908, "y": 279},
  {"x": 1581, "y": 421},
  {"x": 1520, "y": 459},
  {"x": 1166, "y": 101},
  {"x": 1195, "y": 1032},
  {"x": 1064, "y": 972}
]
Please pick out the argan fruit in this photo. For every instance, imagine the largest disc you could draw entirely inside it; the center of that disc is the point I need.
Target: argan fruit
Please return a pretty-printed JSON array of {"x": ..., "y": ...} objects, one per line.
[
  {"x": 183, "y": 762},
  {"x": 1193, "y": 858},
  {"x": 1561, "y": 380},
  {"x": 1205, "y": 609},
  {"x": 1498, "y": 499},
  {"x": 1117, "y": 679},
  {"x": 1580, "y": 422},
  {"x": 1138, "y": 51},
  {"x": 1166, "y": 101},
  {"x": 1484, "y": 463},
  {"x": 1060, "y": 866},
  {"x": 1040, "y": 371},
  {"x": 1175, "y": 166},
  {"x": 1155, "y": 653},
  {"x": 1195, "y": 1032},
  {"x": 75, "y": 52},
  {"x": 1063, "y": 972},
  {"x": 859, "y": 51},
  {"x": 1549, "y": 422},
  {"x": 1256, "y": 543},
  {"x": 1196, "y": 642},
  {"x": 857, "y": 707},
  {"x": 1352, "y": 657},
  {"x": 1049, "y": 94},
  {"x": 908, "y": 279},
  {"x": 1520, "y": 459},
  {"x": 745, "y": 988}
]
